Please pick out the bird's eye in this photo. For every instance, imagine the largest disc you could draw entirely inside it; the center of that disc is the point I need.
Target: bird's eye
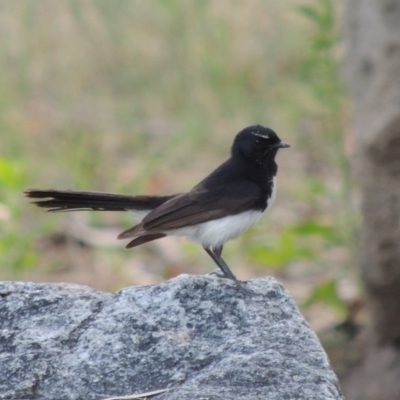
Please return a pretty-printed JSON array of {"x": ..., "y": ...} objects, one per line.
[{"x": 257, "y": 141}]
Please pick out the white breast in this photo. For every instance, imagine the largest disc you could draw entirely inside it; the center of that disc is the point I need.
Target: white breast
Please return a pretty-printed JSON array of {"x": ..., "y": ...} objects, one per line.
[{"x": 215, "y": 233}]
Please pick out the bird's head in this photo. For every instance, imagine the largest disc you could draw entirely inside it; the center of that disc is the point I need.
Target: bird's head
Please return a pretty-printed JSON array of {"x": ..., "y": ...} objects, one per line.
[{"x": 257, "y": 143}]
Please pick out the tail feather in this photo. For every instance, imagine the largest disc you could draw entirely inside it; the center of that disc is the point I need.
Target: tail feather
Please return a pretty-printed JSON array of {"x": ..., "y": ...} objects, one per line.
[
  {"x": 144, "y": 239},
  {"x": 64, "y": 200}
]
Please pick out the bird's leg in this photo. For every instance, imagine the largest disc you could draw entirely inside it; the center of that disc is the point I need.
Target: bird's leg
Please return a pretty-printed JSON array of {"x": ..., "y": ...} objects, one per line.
[
  {"x": 218, "y": 250},
  {"x": 216, "y": 256}
]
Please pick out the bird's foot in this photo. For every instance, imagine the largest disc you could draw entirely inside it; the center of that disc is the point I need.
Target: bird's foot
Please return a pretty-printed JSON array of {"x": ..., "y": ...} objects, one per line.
[{"x": 239, "y": 284}]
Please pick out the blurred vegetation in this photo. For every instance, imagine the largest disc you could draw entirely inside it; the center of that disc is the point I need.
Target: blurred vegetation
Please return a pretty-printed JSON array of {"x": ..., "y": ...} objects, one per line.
[{"x": 135, "y": 97}]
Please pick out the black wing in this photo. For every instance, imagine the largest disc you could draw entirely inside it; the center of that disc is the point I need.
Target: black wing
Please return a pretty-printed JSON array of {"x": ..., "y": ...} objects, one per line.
[{"x": 197, "y": 206}]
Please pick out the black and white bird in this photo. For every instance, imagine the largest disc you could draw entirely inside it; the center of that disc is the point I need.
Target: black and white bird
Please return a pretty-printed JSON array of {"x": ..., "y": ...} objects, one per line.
[{"x": 220, "y": 208}]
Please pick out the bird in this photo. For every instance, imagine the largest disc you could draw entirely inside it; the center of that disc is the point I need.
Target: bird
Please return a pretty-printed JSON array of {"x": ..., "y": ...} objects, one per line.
[{"x": 226, "y": 203}]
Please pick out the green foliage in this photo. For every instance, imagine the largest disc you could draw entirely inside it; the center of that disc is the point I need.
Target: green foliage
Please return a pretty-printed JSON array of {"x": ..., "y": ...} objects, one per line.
[
  {"x": 16, "y": 258},
  {"x": 319, "y": 71},
  {"x": 314, "y": 228},
  {"x": 303, "y": 241},
  {"x": 327, "y": 294},
  {"x": 13, "y": 179},
  {"x": 286, "y": 248},
  {"x": 11, "y": 176},
  {"x": 322, "y": 14}
]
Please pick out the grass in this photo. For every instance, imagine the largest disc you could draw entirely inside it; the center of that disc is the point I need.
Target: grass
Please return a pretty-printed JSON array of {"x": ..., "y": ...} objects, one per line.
[{"x": 136, "y": 97}]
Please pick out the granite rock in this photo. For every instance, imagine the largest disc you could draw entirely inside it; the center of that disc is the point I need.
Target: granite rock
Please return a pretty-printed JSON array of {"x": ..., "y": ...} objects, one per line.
[{"x": 197, "y": 335}]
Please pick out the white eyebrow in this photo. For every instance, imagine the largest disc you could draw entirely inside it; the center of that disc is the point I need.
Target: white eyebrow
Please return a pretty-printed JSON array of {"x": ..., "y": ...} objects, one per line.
[{"x": 259, "y": 135}]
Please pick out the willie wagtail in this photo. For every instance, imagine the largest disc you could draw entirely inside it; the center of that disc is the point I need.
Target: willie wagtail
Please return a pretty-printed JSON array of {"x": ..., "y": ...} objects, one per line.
[{"x": 221, "y": 207}]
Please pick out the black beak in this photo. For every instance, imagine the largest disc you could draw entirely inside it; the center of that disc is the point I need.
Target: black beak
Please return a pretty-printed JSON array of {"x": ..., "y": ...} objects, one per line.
[{"x": 281, "y": 145}]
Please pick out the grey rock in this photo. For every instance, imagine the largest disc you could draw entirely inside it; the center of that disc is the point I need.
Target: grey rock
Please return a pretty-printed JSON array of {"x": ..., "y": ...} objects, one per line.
[{"x": 198, "y": 335}]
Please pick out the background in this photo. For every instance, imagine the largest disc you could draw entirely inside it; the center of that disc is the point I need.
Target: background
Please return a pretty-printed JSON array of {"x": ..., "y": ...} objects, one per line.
[{"x": 146, "y": 97}]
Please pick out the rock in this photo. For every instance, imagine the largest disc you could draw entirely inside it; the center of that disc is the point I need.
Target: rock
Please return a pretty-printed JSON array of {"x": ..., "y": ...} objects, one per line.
[{"x": 198, "y": 335}]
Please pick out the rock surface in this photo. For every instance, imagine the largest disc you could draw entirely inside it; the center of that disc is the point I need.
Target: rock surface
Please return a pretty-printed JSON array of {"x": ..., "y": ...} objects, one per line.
[{"x": 198, "y": 335}]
